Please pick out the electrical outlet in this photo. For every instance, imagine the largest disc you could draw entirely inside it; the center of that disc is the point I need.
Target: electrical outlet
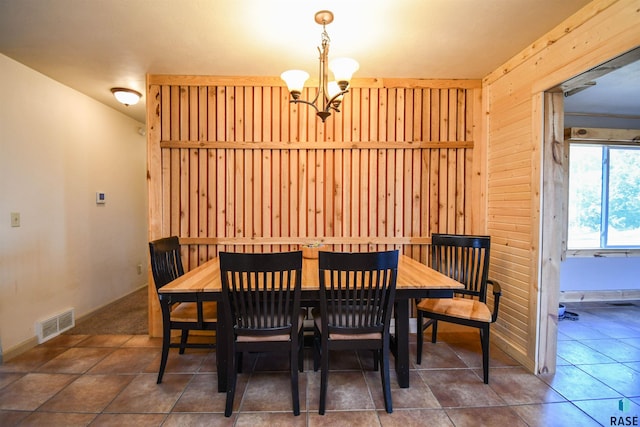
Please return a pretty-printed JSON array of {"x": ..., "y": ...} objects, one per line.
[{"x": 15, "y": 219}]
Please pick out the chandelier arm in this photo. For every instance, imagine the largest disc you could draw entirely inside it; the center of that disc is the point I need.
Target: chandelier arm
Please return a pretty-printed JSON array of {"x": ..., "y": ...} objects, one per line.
[
  {"x": 336, "y": 96},
  {"x": 302, "y": 101}
]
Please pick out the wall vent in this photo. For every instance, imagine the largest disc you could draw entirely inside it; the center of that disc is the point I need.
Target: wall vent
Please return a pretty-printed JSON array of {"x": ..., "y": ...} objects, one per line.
[{"x": 55, "y": 325}]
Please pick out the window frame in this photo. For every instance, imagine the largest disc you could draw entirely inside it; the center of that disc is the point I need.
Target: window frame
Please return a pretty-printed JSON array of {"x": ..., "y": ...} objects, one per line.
[{"x": 607, "y": 145}]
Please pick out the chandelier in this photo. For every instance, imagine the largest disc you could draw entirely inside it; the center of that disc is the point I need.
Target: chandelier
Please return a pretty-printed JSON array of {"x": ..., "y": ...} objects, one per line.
[{"x": 330, "y": 93}]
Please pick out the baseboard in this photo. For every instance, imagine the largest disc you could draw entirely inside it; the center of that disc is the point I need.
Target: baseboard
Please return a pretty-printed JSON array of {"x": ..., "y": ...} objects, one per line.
[
  {"x": 33, "y": 341},
  {"x": 614, "y": 295},
  {"x": 19, "y": 349}
]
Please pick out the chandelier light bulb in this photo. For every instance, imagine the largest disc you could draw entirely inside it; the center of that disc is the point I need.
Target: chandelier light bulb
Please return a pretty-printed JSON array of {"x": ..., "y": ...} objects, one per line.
[
  {"x": 295, "y": 80},
  {"x": 343, "y": 69}
]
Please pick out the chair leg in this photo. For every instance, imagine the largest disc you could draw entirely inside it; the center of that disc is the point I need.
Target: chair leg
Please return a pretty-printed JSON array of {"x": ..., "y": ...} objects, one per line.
[
  {"x": 316, "y": 353},
  {"x": 183, "y": 340},
  {"x": 301, "y": 353},
  {"x": 239, "y": 358},
  {"x": 386, "y": 382},
  {"x": 232, "y": 377},
  {"x": 293, "y": 366},
  {"x": 419, "y": 338},
  {"x": 376, "y": 359},
  {"x": 484, "y": 341},
  {"x": 434, "y": 330},
  {"x": 324, "y": 377},
  {"x": 166, "y": 340},
  {"x": 422, "y": 327}
]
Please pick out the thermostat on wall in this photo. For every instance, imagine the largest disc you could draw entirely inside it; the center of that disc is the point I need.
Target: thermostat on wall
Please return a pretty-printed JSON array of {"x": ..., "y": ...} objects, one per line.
[{"x": 101, "y": 198}]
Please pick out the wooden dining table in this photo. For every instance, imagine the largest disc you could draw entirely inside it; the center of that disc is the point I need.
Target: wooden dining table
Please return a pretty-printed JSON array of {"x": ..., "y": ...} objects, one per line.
[{"x": 415, "y": 280}]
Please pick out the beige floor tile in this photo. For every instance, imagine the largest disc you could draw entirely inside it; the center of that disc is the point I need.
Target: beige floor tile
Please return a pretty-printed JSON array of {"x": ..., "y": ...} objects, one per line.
[
  {"x": 201, "y": 395},
  {"x": 65, "y": 340},
  {"x": 517, "y": 386},
  {"x": 419, "y": 395},
  {"x": 485, "y": 416},
  {"x": 189, "y": 362},
  {"x": 344, "y": 418},
  {"x": 575, "y": 384},
  {"x": 143, "y": 395},
  {"x": 617, "y": 350},
  {"x": 415, "y": 418},
  {"x": 633, "y": 365},
  {"x": 143, "y": 341},
  {"x": 460, "y": 388},
  {"x": 105, "y": 341},
  {"x": 561, "y": 414},
  {"x": 271, "y": 391},
  {"x": 57, "y": 419},
  {"x": 32, "y": 359},
  {"x": 280, "y": 419},
  {"x": 88, "y": 393},
  {"x": 12, "y": 418},
  {"x": 127, "y": 360},
  {"x": 346, "y": 390},
  {"x": 575, "y": 352},
  {"x": 436, "y": 356},
  {"x": 7, "y": 378},
  {"x": 32, "y": 390},
  {"x": 129, "y": 420},
  {"x": 76, "y": 360},
  {"x": 607, "y": 411},
  {"x": 621, "y": 378}
]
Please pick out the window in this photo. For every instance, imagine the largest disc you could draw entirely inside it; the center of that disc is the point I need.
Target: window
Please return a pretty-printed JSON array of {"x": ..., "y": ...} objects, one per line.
[{"x": 604, "y": 197}]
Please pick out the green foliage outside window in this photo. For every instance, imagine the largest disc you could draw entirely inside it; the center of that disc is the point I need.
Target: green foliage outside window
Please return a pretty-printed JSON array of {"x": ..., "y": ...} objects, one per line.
[{"x": 604, "y": 196}]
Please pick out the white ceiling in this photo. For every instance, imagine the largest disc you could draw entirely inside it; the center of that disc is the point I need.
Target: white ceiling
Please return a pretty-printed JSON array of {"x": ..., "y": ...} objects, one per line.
[{"x": 92, "y": 46}]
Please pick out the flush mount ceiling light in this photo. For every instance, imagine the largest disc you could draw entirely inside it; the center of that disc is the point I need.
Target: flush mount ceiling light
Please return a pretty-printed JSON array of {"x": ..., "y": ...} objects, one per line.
[
  {"x": 329, "y": 94},
  {"x": 126, "y": 96}
]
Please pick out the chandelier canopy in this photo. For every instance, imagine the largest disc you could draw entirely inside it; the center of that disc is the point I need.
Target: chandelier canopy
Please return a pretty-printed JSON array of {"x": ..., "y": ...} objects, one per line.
[{"x": 329, "y": 93}]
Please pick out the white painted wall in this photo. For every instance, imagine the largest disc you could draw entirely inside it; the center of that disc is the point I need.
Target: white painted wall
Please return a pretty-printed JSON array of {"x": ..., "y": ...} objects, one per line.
[
  {"x": 600, "y": 274},
  {"x": 59, "y": 147}
]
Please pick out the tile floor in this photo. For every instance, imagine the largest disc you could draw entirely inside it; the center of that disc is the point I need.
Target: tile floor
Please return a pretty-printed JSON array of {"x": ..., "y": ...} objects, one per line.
[{"x": 102, "y": 380}]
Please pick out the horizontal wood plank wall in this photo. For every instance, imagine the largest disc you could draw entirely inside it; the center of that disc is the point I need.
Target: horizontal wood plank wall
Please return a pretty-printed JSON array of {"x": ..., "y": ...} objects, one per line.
[
  {"x": 237, "y": 167},
  {"x": 600, "y": 31}
]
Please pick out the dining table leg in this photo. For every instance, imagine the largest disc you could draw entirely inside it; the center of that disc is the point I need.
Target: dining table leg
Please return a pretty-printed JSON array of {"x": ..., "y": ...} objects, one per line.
[
  {"x": 222, "y": 344},
  {"x": 401, "y": 341}
]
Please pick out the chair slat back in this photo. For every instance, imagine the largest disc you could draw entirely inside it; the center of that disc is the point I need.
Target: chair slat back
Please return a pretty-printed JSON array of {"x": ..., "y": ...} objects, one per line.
[
  {"x": 166, "y": 262},
  {"x": 261, "y": 291},
  {"x": 357, "y": 290},
  {"x": 464, "y": 258}
]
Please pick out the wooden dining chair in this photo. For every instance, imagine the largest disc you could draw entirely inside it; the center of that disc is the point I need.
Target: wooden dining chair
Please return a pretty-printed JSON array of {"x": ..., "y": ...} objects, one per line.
[
  {"x": 464, "y": 258},
  {"x": 185, "y": 316},
  {"x": 261, "y": 296},
  {"x": 357, "y": 291}
]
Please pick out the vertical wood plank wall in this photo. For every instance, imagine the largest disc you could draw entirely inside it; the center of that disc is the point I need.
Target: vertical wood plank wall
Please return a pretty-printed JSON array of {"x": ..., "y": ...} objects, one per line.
[{"x": 234, "y": 166}]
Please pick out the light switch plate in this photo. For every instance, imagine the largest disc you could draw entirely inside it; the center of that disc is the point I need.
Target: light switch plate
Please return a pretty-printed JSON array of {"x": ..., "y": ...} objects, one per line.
[
  {"x": 101, "y": 198},
  {"x": 15, "y": 219}
]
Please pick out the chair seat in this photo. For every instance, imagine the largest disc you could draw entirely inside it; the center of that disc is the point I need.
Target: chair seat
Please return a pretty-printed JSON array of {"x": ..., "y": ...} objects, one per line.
[
  {"x": 188, "y": 311},
  {"x": 462, "y": 308},
  {"x": 317, "y": 319},
  {"x": 270, "y": 338}
]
